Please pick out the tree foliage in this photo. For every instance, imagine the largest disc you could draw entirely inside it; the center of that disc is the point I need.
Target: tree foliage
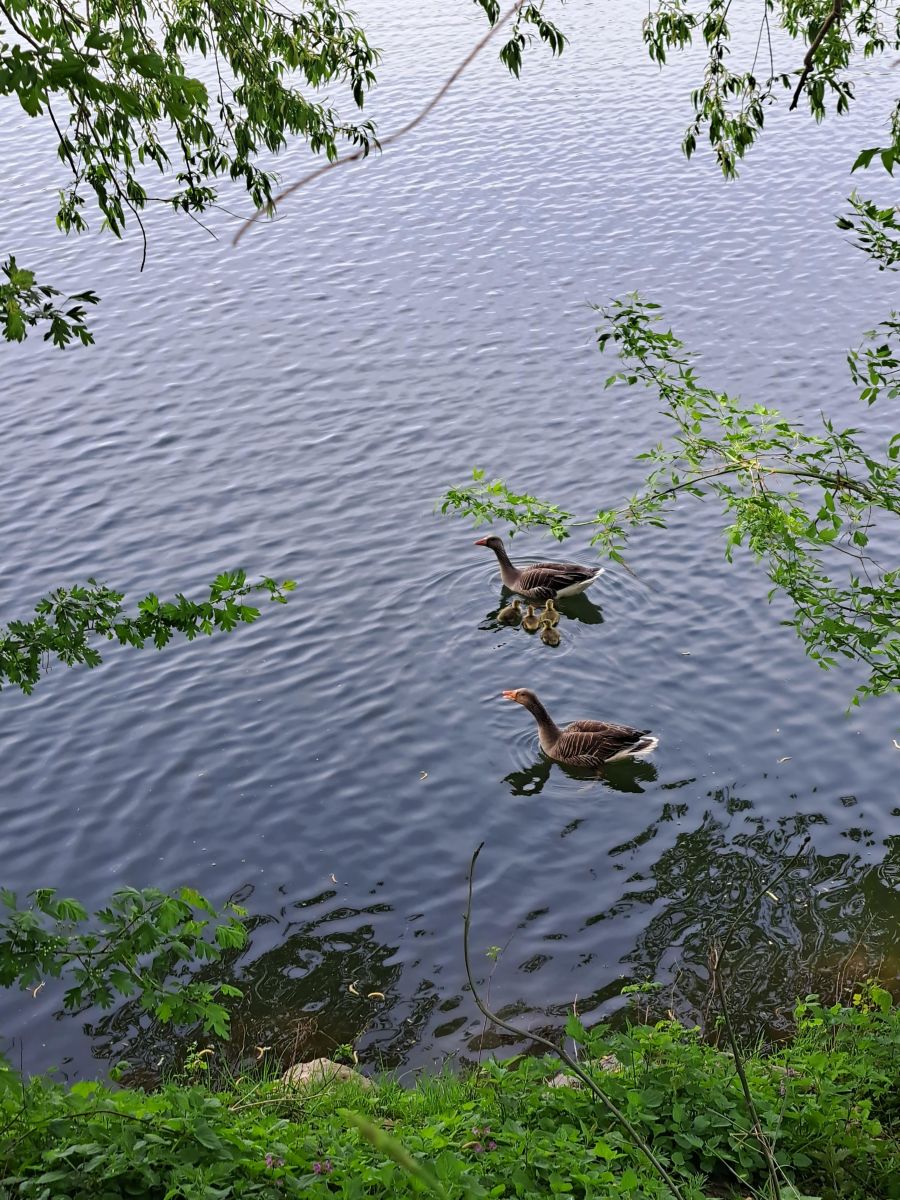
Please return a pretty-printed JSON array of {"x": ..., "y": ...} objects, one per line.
[
  {"x": 742, "y": 80},
  {"x": 118, "y": 87},
  {"x": 70, "y": 621},
  {"x": 114, "y": 85},
  {"x": 24, "y": 303},
  {"x": 142, "y": 943},
  {"x": 808, "y": 504}
]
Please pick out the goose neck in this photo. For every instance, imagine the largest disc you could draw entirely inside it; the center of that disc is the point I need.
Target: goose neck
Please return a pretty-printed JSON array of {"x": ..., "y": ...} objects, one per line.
[
  {"x": 508, "y": 572},
  {"x": 548, "y": 730}
]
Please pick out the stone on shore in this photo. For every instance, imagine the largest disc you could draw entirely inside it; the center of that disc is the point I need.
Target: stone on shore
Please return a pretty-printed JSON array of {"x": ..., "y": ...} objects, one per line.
[{"x": 322, "y": 1071}]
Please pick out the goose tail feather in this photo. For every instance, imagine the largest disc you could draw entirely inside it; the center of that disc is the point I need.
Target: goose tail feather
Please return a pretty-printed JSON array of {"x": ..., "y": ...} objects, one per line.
[{"x": 646, "y": 745}]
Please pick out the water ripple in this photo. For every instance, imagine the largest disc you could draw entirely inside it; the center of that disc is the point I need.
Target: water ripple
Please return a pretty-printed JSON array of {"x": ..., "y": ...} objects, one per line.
[{"x": 296, "y": 406}]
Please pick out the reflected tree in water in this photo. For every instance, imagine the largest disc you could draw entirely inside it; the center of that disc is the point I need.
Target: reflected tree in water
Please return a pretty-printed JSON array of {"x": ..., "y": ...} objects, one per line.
[
  {"x": 831, "y": 922},
  {"x": 296, "y": 976}
]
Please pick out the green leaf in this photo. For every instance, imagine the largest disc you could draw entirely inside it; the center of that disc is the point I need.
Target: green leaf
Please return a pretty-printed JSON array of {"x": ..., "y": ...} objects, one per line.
[
  {"x": 864, "y": 158},
  {"x": 881, "y": 998}
]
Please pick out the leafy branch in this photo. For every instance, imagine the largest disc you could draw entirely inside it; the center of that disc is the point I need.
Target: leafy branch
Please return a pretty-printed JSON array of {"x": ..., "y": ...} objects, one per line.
[
  {"x": 810, "y": 56},
  {"x": 115, "y": 85},
  {"x": 25, "y": 303},
  {"x": 805, "y": 504},
  {"x": 70, "y": 620},
  {"x": 730, "y": 104},
  {"x": 142, "y": 943},
  {"x": 731, "y": 101},
  {"x": 877, "y": 231}
]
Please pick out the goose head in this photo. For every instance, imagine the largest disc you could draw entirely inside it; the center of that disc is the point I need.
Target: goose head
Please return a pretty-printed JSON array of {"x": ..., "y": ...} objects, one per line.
[
  {"x": 522, "y": 696},
  {"x": 491, "y": 541}
]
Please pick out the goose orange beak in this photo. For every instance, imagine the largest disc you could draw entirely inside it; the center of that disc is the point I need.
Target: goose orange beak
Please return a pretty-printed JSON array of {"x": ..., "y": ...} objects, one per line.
[
  {"x": 480, "y": 542},
  {"x": 509, "y": 695}
]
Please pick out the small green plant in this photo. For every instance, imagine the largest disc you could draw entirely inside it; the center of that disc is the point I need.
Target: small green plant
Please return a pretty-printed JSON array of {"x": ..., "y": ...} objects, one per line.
[
  {"x": 649, "y": 987},
  {"x": 196, "y": 1061},
  {"x": 345, "y": 1053}
]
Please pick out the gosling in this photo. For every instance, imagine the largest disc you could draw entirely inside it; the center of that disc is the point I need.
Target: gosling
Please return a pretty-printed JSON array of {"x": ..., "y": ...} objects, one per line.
[
  {"x": 550, "y": 616},
  {"x": 511, "y": 615},
  {"x": 531, "y": 622},
  {"x": 549, "y": 635}
]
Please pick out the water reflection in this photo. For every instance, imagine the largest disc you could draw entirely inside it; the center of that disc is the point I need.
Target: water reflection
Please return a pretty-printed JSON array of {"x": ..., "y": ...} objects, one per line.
[
  {"x": 829, "y": 923},
  {"x": 626, "y": 775},
  {"x": 826, "y": 926},
  {"x": 580, "y": 608},
  {"x": 297, "y": 999}
]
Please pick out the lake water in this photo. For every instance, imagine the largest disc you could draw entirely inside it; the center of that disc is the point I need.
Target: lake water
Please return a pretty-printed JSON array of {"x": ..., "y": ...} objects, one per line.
[{"x": 296, "y": 406}]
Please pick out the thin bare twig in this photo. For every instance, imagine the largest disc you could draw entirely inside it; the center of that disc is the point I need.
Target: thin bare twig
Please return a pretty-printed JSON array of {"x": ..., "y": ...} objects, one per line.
[
  {"x": 716, "y": 957},
  {"x": 570, "y": 1062},
  {"x": 772, "y": 1166},
  {"x": 393, "y": 137},
  {"x": 62, "y": 141}
]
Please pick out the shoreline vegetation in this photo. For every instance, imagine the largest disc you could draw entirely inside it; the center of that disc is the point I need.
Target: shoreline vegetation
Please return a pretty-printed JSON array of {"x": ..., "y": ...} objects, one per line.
[
  {"x": 648, "y": 1109},
  {"x": 651, "y": 1111},
  {"x": 826, "y": 1103}
]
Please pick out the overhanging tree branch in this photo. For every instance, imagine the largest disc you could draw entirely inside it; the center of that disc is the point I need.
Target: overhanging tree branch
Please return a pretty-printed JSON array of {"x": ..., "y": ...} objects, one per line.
[
  {"x": 809, "y": 59},
  {"x": 832, "y": 490},
  {"x": 70, "y": 621}
]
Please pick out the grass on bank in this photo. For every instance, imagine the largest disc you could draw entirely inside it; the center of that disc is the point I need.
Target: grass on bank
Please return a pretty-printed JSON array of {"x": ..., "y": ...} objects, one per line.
[{"x": 828, "y": 1102}]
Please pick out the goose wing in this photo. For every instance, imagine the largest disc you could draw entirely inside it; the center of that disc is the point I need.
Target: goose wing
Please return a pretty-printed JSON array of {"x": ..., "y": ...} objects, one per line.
[
  {"x": 588, "y": 743},
  {"x": 606, "y": 727},
  {"x": 544, "y": 581}
]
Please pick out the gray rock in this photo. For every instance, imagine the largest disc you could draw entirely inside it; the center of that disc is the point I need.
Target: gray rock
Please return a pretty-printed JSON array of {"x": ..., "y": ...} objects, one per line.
[
  {"x": 608, "y": 1063},
  {"x": 322, "y": 1071},
  {"x": 611, "y": 1064},
  {"x": 563, "y": 1080}
]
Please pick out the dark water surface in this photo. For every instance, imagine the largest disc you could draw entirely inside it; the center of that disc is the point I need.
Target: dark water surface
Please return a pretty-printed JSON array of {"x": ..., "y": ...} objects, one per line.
[{"x": 296, "y": 406}]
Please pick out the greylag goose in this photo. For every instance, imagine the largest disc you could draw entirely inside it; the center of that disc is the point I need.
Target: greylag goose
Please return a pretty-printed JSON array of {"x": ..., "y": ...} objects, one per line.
[
  {"x": 583, "y": 743},
  {"x": 550, "y": 616},
  {"x": 531, "y": 622},
  {"x": 549, "y": 635},
  {"x": 511, "y": 615},
  {"x": 541, "y": 581}
]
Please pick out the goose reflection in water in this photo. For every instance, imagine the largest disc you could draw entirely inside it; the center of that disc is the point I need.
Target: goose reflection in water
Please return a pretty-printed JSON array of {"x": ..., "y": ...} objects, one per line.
[{"x": 627, "y": 775}]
